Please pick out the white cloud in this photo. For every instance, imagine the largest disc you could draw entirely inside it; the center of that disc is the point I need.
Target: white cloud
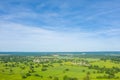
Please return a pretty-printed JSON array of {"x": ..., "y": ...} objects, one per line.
[
  {"x": 101, "y": 13},
  {"x": 18, "y": 37}
]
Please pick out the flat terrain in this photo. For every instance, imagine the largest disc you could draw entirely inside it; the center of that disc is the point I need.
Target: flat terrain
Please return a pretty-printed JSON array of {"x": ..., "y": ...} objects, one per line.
[{"x": 59, "y": 68}]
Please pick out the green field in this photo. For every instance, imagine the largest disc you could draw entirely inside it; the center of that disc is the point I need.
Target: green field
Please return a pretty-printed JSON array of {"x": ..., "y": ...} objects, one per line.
[{"x": 59, "y": 68}]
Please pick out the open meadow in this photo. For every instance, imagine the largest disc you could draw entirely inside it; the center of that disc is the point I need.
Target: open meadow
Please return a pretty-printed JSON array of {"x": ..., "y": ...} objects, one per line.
[{"x": 60, "y": 67}]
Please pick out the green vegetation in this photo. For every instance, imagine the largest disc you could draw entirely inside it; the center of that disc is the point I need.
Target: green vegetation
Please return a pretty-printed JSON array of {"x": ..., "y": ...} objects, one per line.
[{"x": 60, "y": 67}]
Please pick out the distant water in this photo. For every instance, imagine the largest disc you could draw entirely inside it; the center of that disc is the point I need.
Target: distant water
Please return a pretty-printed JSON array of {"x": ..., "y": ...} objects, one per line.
[{"x": 59, "y": 53}]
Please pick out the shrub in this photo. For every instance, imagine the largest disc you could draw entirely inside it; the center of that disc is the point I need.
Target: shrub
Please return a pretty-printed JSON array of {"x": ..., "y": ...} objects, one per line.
[
  {"x": 28, "y": 74},
  {"x": 56, "y": 78},
  {"x": 43, "y": 69},
  {"x": 24, "y": 76},
  {"x": 37, "y": 75}
]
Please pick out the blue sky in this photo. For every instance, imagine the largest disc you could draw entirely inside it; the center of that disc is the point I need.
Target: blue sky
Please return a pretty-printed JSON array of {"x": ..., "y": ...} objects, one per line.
[{"x": 59, "y": 25}]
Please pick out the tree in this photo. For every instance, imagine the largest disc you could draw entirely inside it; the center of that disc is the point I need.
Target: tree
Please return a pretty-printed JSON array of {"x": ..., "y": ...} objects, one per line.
[
  {"x": 43, "y": 69},
  {"x": 86, "y": 78},
  {"x": 28, "y": 74},
  {"x": 50, "y": 77},
  {"x": 37, "y": 75},
  {"x": 83, "y": 70},
  {"x": 24, "y": 76},
  {"x": 56, "y": 78},
  {"x": 66, "y": 69},
  {"x": 65, "y": 77}
]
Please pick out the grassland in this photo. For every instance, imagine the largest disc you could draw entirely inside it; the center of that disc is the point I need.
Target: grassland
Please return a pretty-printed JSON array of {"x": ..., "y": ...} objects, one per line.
[{"x": 59, "y": 68}]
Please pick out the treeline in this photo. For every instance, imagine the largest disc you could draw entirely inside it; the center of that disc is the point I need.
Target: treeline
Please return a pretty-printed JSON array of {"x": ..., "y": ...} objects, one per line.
[
  {"x": 115, "y": 59},
  {"x": 110, "y": 72},
  {"x": 6, "y": 59}
]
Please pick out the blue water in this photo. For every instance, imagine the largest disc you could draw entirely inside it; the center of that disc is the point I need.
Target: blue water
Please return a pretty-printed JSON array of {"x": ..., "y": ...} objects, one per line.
[{"x": 60, "y": 53}]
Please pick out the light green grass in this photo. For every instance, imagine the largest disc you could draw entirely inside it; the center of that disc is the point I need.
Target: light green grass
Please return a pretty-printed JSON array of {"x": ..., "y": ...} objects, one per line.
[{"x": 57, "y": 71}]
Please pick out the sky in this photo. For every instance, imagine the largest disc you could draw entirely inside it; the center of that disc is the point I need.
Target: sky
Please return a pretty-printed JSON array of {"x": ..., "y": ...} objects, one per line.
[{"x": 59, "y": 25}]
